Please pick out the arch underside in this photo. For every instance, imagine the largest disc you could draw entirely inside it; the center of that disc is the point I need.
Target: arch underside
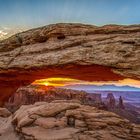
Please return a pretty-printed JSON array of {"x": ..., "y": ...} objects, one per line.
[{"x": 12, "y": 80}]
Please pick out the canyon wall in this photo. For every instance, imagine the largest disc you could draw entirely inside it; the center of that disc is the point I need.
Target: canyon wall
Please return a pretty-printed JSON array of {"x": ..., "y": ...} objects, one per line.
[{"x": 36, "y": 93}]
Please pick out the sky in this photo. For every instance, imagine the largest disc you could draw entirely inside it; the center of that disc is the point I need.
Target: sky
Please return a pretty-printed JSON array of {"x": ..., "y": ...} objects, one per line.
[
  {"x": 34, "y": 13},
  {"x": 125, "y": 84}
]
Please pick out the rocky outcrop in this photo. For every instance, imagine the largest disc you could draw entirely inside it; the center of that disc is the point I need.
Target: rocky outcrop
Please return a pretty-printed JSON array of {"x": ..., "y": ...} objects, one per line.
[
  {"x": 110, "y": 101},
  {"x": 4, "y": 112},
  {"x": 61, "y": 120},
  {"x": 48, "y": 46},
  {"x": 37, "y": 93},
  {"x": 78, "y": 51},
  {"x": 121, "y": 104},
  {"x": 93, "y": 98},
  {"x": 124, "y": 110},
  {"x": 113, "y": 103}
]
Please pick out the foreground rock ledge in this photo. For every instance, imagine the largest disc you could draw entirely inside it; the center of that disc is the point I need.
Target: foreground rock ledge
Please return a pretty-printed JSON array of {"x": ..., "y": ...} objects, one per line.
[
  {"x": 66, "y": 120},
  {"x": 85, "y": 52}
]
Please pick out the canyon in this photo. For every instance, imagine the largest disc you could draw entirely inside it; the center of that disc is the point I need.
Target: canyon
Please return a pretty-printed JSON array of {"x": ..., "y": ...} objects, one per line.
[
  {"x": 38, "y": 93},
  {"x": 31, "y": 94}
]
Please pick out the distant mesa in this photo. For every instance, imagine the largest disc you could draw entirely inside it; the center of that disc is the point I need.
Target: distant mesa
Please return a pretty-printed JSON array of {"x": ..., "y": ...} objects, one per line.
[{"x": 38, "y": 93}]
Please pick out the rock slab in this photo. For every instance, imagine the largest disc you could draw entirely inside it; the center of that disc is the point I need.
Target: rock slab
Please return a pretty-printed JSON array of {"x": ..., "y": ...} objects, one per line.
[{"x": 68, "y": 120}]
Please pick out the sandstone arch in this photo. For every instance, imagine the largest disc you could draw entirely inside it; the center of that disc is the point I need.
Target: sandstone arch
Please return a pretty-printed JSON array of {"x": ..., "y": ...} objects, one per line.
[{"x": 78, "y": 51}]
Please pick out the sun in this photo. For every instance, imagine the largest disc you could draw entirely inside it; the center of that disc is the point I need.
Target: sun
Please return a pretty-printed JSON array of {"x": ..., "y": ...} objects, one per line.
[
  {"x": 57, "y": 82},
  {"x": 46, "y": 84}
]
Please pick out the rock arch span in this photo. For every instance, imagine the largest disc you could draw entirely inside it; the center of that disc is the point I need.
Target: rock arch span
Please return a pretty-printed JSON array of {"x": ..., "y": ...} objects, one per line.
[{"x": 84, "y": 52}]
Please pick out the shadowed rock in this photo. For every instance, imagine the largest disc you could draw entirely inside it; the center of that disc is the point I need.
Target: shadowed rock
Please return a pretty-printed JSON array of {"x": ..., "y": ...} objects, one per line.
[
  {"x": 111, "y": 102},
  {"x": 121, "y": 104}
]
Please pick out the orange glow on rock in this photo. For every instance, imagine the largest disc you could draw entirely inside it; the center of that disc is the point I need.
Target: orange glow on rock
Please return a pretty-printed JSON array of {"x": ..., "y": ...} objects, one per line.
[{"x": 59, "y": 82}]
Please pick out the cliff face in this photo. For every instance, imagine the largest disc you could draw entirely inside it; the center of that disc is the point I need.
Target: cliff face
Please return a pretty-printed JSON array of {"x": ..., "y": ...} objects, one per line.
[
  {"x": 61, "y": 120},
  {"x": 36, "y": 93},
  {"x": 78, "y": 51}
]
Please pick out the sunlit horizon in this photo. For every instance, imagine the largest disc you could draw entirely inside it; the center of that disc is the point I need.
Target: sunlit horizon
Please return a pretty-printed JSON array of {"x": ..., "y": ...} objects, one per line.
[{"x": 63, "y": 82}]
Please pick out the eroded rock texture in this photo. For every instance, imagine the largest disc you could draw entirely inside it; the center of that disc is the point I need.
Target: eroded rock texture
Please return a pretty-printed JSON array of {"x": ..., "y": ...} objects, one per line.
[
  {"x": 36, "y": 93},
  {"x": 79, "y": 51},
  {"x": 66, "y": 120}
]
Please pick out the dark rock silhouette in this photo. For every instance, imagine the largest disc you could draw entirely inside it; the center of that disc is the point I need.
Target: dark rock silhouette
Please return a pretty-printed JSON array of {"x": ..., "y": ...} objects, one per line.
[
  {"x": 111, "y": 103},
  {"x": 121, "y": 104}
]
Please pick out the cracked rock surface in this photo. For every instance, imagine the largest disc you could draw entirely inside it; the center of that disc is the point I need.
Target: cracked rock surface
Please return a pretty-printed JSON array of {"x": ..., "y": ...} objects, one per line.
[
  {"x": 111, "y": 45},
  {"x": 66, "y": 120}
]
